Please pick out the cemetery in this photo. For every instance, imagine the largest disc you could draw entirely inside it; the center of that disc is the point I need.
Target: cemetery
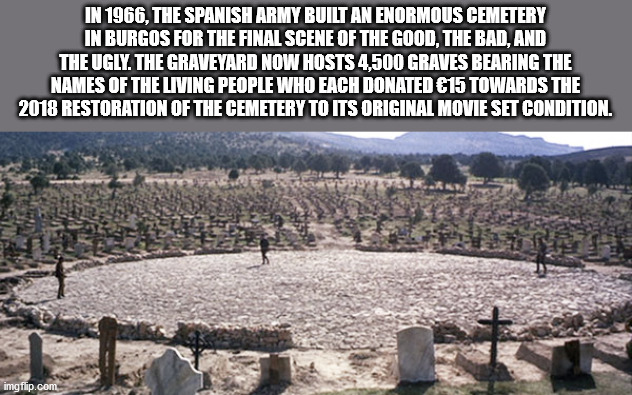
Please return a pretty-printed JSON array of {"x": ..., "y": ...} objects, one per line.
[{"x": 372, "y": 283}]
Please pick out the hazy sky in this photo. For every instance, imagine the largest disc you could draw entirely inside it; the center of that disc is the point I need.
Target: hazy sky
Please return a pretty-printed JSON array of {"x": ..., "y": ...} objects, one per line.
[{"x": 588, "y": 140}]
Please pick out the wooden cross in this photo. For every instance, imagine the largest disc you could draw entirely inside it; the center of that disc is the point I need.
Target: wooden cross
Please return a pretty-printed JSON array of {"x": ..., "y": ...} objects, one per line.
[
  {"x": 198, "y": 344},
  {"x": 495, "y": 323}
]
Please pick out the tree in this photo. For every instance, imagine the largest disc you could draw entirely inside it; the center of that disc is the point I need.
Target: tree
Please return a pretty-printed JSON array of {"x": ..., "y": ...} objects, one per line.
[
  {"x": 387, "y": 165},
  {"x": 365, "y": 163},
  {"x": 62, "y": 170},
  {"x": 595, "y": 173},
  {"x": 39, "y": 182},
  {"x": 533, "y": 178},
  {"x": 139, "y": 180},
  {"x": 487, "y": 166},
  {"x": 6, "y": 202},
  {"x": 286, "y": 160},
  {"x": 256, "y": 163},
  {"x": 615, "y": 168},
  {"x": 299, "y": 166},
  {"x": 320, "y": 164},
  {"x": 233, "y": 174},
  {"x": 445, "y": 170},
  {"x": 412, "y": 171},
  {"x": 114, "y": 184},
  {"x": 339, "y": 164}
]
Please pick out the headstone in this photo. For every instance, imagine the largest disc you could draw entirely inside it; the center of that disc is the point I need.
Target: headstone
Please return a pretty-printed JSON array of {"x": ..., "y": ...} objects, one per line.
[
  {"x": 37, "y": 254},
  {"x": 79, "y": 250},
  {"x": 109, "y": 244},
  {"x": 605, "y": 253},
  {"x": 173, "y": 375},
  {"x": 46, "y": 243},
  {"x": 38, "y": 220},
  {"x": 585, "y": 248},
  {"x": 37, "y": 358},
  {"x": 572, "y": 359},
  {"x": 20, "y": 242},
  {"x": 527, "y": 245},
  {"x": 275, "y": 369},
  {"x": 415, "y": 355},
  {"x": 108, "y": 329},
  {"x": 132, "y": 221},
  {"x": 129, "y": 243}
]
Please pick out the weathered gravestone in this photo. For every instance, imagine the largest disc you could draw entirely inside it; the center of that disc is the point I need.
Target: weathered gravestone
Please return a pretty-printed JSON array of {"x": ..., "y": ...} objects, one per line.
[
  {"x": 37, "y": 358},
  {"x": 571, "y": 359},
  {"x": 109, "y": 244},
  {"x": 38, "y": 221},
  {"x": 605, "y": 253},
  {"x": 46, "y": 243},
  {"x": 108, "y": 328},
  {"x": 527, "y": 246},
  {"x": 80, "y": 249},
  {"x": 275, "y": 369},
  {"x": 173, "y": 375},
  {"x": 129, "y": 243},
  {"x": 20, "y": 243},
  {"x": 415, "y": 355},
  {"x": 37, "y": 254}
]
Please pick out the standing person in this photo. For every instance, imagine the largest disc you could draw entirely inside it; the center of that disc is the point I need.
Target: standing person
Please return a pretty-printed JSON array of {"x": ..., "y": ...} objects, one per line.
[
  {"x": 265, "y": 247},
  {"x": 541, "y": 255},
  {"x": 59, "y": 273}
]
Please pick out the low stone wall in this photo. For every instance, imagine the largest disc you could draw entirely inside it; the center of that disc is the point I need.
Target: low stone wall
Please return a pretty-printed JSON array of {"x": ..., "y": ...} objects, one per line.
[
  {"x": 279, "y": 337},
  {"x": 275, "y": 338}
]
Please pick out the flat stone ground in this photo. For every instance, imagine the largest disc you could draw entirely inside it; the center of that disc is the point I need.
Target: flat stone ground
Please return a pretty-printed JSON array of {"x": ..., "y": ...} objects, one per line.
[{"x": 333, "y": 299}]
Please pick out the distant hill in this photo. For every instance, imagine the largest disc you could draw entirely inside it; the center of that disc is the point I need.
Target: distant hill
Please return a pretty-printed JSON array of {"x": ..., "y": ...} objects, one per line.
[
  {"x": 599, "y": 154},
  {"x": 190, "y": 144},
  {"x": 433, "y": 143},
  {"x": 193, "y": 147}
]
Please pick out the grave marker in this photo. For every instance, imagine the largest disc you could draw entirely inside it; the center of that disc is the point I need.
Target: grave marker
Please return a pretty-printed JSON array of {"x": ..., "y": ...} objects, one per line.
[
  {"x": 38, "y": 220},
  {"x": 108, "y": 329},
  {"x": 605, "y": 253},
  {"x": 275, "y": 369},
  {"x": 415, "y": 355},
  {"x": 173, "y": 375},
  {"x": 198, "y": 344},
  {"x": 495, "y": 323},
  {"x": 37, "y": 360},
  {"x": 572, "y": 359}
]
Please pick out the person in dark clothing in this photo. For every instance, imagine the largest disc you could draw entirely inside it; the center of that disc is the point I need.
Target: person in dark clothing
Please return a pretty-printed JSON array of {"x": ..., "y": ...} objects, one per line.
[
  {"x": 541, "y": 255},
  {"x": 61, "y": 276},
  {"x": 265, "y": 247}
]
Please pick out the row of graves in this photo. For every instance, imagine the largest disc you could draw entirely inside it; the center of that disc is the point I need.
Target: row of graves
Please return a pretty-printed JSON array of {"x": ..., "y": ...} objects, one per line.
[
  {"x": 79, "y": 219},
  {"x": 565, "y": 362}
]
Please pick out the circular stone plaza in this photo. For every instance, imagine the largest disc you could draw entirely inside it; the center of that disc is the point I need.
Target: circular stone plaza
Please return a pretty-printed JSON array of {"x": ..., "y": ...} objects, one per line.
[{"x": 332, "y": 299}]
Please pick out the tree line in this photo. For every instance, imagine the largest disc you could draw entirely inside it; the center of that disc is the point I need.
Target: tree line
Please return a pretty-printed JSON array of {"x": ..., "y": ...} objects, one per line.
[{"x": 533, "y": 175}]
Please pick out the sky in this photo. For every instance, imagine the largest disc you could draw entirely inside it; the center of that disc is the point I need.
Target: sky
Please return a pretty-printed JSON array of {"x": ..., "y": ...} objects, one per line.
[{"x": 588, "y": 140}]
